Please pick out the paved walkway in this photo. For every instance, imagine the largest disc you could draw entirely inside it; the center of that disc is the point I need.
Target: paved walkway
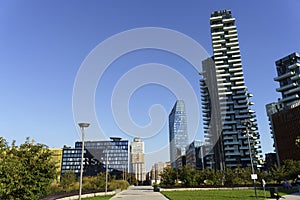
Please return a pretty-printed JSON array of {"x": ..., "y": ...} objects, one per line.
[
  {"x": 295, "y": 196},
  {"x": 138, "y": 193}
]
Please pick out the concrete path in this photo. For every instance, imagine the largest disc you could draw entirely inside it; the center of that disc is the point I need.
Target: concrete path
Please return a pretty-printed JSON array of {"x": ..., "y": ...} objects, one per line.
[
  {"x": 138, "y": 193},
  {"x": 295, "y": 196}
]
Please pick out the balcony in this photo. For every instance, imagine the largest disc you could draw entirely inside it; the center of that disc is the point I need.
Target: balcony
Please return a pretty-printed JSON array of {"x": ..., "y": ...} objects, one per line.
[
  {"x": 239, "y": 97},
  {"x": 284, "y": 76},
  {"x": 239, "y": 83},
  {"x": 222, "y": 66},
  {"x": 234, "y": 60},
  {"x": 218, "y": 41},
  {"x": 220, "y": 57},
  {"x": 294, "y": 66},
  {"x": 295, "y": 90},
  {"x": 234, "y": 52},
  {"x": 228, "y": 20},
  {"x": 217, "y": 33},
  {"x": 286, "y": 87},
  {"x": 223, "y": 75},
  {"x": 293, "y": 97},
  {"x": 216, "y": 46},
  {"x": 237, "y": 65},
  {"x": 229, "y": 28},
  {"x": 229, "y": 44},
  {"x": 236, "y": 78},
  {"x": 238, "y": 69},
  {"x": 215, "y": 18},
  {"x": 219, "y": 62},
  {"x": 216, "y": 25},
  {"x": 233, "y": 39},
  {"x": 239, "y": 73},
  {"x": 232, "y": 31},
  {"x": 296, "y": 77}
]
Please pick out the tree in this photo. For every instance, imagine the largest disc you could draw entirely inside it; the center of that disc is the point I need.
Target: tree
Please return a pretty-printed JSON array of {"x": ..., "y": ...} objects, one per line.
[
  {"x": 188, "y": 176},
  {"x": 68, "y": 180},
  {"x": 26, "y": 172},
  {"x": 168, "y": 176},
  {"x": 278, "y": 173}
]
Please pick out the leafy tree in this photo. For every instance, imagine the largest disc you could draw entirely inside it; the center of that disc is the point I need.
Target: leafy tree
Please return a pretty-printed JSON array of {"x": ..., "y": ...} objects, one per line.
[
  {"x": 26, "y": 172},
  {"x": 188, "y": 176},
  {"x": 68, "y": 180},
  {"x": 292, "y": 168},
  {"x": 168, "y": 176},
  {"x": 278, "y": 173}
]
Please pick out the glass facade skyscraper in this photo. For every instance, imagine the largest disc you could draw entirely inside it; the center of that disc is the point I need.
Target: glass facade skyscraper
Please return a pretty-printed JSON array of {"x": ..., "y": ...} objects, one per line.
[
  {"x": 225, "y": 100},
  {"x": 178, "y": 136}
]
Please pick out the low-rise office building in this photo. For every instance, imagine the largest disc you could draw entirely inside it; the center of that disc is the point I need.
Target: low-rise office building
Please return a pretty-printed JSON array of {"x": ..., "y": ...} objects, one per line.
[{"x": 97, "y": 155}]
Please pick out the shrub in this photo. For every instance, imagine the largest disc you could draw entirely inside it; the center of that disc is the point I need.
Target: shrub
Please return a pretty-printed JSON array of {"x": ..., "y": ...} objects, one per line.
[{"x": 118, "y": 184}]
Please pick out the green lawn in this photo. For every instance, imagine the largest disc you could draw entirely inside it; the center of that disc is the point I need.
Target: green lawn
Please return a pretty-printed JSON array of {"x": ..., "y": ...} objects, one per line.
[
  {"x": 218, "y": 194},
  {"x": 99, "y": 197}
]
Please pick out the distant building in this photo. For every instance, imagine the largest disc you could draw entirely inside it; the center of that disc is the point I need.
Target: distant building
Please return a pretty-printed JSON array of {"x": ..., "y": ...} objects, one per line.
[
  {"x": 225, "y": 100},
  {"x": 286, "y": 127},
  {"x": 156, "y": 170},
  {"x": 271, "y": 109},
  {"x": 95, "y": 157},
  {"x": 270, "y": 161},
  {"x": 137, "y": 159},
  {"x": 195, "y": 155},
  {"x": 57, "y": 158},
  {"x": 180, "y": 162},
  {"x": 288, "y": 77},
  {"x": 178, "y": 136}
]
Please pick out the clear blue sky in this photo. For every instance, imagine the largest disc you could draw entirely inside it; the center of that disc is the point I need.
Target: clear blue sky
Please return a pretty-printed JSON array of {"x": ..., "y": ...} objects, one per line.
[{"x": 43, "y": 44}]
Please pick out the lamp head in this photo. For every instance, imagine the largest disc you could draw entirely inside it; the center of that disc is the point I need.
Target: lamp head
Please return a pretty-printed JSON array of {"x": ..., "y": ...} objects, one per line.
[{"x": 83, "y": 125}]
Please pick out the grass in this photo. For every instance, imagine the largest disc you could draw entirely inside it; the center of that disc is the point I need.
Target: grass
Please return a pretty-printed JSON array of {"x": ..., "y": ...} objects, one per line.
[
  {"x": 220, "y": 194},
  {"x": 99, "y": 197}
]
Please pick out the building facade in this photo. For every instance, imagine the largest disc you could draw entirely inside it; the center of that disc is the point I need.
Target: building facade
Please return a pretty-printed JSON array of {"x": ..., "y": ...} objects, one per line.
[
  {"x": 178, "y": 136},
  {"x": 288, "y": 71},
  {"x": 288, "y": 77},
  {"x": 156, "y": 170},
  {"x": 225, "y": 100},
  {"x": 137, "y": 159},
  {"x": 286, "y": 127},
  {"x": 98, "y": 154},
  {"x": 195, "y": 155},
  {"x": 57, "y": 158}
]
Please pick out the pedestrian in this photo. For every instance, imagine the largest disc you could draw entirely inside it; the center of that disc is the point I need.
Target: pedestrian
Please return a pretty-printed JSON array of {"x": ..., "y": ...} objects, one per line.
[{"x": 298, "y": 182}]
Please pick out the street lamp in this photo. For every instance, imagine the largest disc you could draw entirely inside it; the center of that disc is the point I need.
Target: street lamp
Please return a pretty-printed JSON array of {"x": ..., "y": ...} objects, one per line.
[
  {"x": 82, "y": 126},
  {"x": 247, "y": 124}
]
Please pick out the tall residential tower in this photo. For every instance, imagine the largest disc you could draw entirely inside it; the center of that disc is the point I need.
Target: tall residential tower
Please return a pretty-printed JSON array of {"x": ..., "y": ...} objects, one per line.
[
  {"x": 288, "y": 77},
  {"x": 137, "y": 159},
  {"x": 225, "y": 100}
]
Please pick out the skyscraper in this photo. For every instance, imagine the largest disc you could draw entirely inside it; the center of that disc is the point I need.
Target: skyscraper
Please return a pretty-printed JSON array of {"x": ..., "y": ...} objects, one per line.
[
  {"x": 288, "y": 77},
  {"x": 225, "y": 100},
  {"x": 288, "y": 71},
  {"x": 178, "y": 136},
  {"x": 137, "y": 159}
]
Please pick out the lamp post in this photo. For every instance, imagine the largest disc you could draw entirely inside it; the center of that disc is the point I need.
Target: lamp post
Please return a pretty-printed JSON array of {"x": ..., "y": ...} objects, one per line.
[
  {"x": 253, "y": 175},
  {"x": 82, "y": 126}
]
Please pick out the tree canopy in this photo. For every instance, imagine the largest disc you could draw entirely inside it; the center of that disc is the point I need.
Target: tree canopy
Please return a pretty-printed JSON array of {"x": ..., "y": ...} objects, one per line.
[{"x": 26, "y": 171}]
